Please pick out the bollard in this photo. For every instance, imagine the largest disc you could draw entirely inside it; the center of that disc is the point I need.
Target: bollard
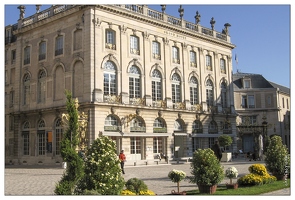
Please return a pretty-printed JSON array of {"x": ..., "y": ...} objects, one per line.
[
  {"x": 64, "y": 165},
  {"x": 134, "y": 163}
]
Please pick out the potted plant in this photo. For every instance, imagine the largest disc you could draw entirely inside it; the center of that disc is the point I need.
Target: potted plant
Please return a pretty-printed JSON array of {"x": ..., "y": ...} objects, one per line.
[
  {"x": 276, "y": 158},
  {"x": 176, "y": 176},
  {"x": 206, "y": 170},
  {"x": 224, "y": 141},
  {"x": 231, "y": 173}
]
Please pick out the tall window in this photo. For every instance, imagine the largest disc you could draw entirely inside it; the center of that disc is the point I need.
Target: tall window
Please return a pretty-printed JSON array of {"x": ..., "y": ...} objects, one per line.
[
  {"x": 156, "y": 50},
  {"x": 156, "y": 85},
  {"x": 58, "y": 135},
  {"x": 135, "y": 146},
  {"x": 222, "y": 66},
  {"x": 134, "y": 45},
  {"x": 59, "y": 45},
  {"x": 194, "y": 94},
  {"x": 223, "y": 95},
  {"x": 109, "y": 84},
  {"x": 41, "y": 138},
  {"x": 41, "y": 86},
  {"x": 193, "y": 59},
  {"x": 42, "y": 50},
  {"x": 176, "y": 89},
  {"x": 26, "y": 85},
  {"x": 248, "y": 101},
  {"x": 283, "y": 101},
  {"x": 209, "y": 93},
  {"x": 13, "y": 56},
  {"x": 175, "y": 55},
  {"x": 208, "y": 62},
  {"x": 110, "y": 39},
  {"x": 134, "y": 82},
  {"x": 78, "y": 39},
  {"x": 287, "y": 101},
  {"x": 27, "y": 55},
  {"x": 26, "y": 138},
  {"x": 158, "y": 145}
]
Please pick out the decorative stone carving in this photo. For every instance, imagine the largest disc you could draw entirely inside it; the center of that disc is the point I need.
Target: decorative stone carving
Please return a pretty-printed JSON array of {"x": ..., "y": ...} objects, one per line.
[{"x": 198, "y": 17}]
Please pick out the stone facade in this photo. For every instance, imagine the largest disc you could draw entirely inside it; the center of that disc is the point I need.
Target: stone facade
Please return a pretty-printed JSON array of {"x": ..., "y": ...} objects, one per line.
[
  {"x": 152, "y": 82},
  {"x": 259, "y": 102}
]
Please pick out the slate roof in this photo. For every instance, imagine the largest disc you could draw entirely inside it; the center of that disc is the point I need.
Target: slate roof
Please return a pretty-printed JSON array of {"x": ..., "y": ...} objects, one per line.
[{"x": 257, "y": 81}]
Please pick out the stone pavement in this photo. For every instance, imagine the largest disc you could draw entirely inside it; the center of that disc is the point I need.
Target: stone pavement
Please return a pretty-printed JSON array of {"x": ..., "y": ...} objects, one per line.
[{"x": 41, "y": 180}]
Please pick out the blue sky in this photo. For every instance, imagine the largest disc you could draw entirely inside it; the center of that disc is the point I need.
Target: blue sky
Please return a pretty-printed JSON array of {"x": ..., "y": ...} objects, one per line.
[{"x": 261, "y": 32}]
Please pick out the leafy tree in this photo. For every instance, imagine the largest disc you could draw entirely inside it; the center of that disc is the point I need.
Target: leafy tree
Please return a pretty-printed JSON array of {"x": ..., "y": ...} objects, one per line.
[
  {"x": 74, "y": 170},
  {"x": 225, "y": 140},
  {"x": 103, "y": 174}
]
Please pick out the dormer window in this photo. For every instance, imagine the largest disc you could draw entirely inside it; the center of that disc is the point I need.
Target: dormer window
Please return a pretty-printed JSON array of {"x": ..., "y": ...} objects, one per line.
[{"x": 246, "y": 82}]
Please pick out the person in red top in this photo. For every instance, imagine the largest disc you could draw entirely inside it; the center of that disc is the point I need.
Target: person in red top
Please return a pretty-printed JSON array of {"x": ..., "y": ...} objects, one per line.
[{"x": 122, "y": 159}]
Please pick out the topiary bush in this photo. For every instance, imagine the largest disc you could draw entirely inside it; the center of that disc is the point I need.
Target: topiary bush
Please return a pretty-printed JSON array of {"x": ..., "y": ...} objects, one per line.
[
  {"x": 206, "y": 168},
  {"x": 250, "y": 180},
  {"x": 136, "y": 185},
  {"x": 276, "y": 158}
]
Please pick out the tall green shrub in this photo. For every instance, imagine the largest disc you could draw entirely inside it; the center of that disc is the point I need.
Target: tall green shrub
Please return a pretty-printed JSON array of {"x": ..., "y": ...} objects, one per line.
[
  {"x": 69, "y": 142},
  {"x": 103, "y": 174},
  {"x": 206, "y": 168},
  {"x": 276, "y": 156}
]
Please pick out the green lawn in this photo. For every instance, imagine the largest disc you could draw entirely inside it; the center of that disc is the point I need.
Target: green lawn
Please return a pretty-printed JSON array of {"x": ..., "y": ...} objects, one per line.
[{"x": 253, "y": 190}]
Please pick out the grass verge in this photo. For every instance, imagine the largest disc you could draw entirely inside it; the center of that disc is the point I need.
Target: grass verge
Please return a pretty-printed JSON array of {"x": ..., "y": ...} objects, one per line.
[{"x": 251, "y": 190}]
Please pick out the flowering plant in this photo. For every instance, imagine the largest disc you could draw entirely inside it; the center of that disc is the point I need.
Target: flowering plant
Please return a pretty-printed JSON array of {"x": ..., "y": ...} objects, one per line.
[
  {"x": 176, "y": 176},
  {"x": 231, "y": 173}
]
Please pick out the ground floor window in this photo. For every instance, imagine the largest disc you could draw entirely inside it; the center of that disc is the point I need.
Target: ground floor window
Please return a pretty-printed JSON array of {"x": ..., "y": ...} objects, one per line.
[
  {"x": 26, "y": 142},
  {"x": 211, "y": 141},
  {"x": 41, "y": 142},
  {"x": 135, "y": 145},
  {"x": 158, "y": 145}
]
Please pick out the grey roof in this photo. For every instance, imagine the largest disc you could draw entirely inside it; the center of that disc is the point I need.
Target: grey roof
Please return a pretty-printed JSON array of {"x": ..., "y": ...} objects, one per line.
[{"x": 257, "y": 81}]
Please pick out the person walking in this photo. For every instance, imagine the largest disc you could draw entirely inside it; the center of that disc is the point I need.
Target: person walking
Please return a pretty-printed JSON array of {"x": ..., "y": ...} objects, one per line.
[
  {"x": 217, "y": 150},
  {"x": 122, "y": 159}
]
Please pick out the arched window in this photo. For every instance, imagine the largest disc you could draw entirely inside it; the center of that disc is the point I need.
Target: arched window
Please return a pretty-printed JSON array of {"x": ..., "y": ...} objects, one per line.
[
  {"x": 176, "y": 97},
  {"x": 197, "y": 126},
  {"x": 134, "y": 82},
  {"x": 137, "y": 125},
  {"x": 26, "y": 86},
  {"x": 58, "y": 135},
  {"x": 209, "y": 93},
  {"x": 213, "y": 129},
  {"x": 159, "y": 126},
  {"x": 109, "y": 84},
  {"x": 194, "y": 91},
  {"x": 178, "y": 126},
  {"x": 41, "y": 86},
  {"x": 111, "y": 124},
  {"x": 156, "y": 85}
]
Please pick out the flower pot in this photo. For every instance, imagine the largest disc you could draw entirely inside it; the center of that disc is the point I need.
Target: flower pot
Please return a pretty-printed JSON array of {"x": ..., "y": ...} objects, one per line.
[
  {"x": 178, "y": 193},
  {"x": 280, "y": 177},
  {"x": 232, "y": 186},
  {"x": 210, "y": 189}
]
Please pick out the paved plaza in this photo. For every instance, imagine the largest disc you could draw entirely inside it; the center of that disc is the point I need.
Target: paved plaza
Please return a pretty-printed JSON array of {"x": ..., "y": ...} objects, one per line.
[{"x": 41, "y": 180}]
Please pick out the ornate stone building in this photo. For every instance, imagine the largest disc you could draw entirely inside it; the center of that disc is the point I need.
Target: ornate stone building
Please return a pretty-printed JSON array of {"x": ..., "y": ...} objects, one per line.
[
  {"x": 263, "y": 108},
  {"x": 152, "y": 82}
]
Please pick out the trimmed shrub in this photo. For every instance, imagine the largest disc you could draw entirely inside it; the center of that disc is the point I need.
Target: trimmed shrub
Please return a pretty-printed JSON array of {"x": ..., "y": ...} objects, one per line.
[
  {"x": 136, "y": 185},
  {"x": 250, "y": 180}
]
